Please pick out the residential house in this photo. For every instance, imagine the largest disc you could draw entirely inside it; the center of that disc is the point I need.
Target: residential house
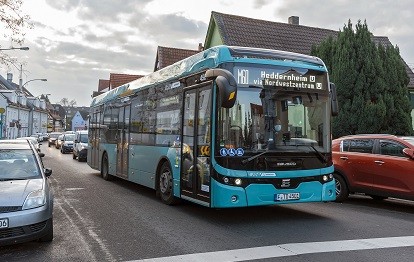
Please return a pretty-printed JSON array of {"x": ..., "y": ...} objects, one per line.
[
  {"x": 23, "y": 114},
  {"x": 55, "y": 122},
  {"x": 168, "y": 55},
  {"x": 69, "y": 113},
  {"x": 38, "y": 114},
  {"x": 233, "y": 30},
  {"x": 80, "y": 120}
]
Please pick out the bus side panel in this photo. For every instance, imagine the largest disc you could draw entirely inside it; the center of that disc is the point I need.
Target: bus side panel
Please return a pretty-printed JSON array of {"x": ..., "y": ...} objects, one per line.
[
  {"x": 110, "y": 150},
  {"x": 143, "y": 162}
]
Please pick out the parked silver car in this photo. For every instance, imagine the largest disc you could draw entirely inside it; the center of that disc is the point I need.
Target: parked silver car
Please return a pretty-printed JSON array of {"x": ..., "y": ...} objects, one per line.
[
  {"x": 33, "y": 140},
  {"x": 26, "y": 197}
]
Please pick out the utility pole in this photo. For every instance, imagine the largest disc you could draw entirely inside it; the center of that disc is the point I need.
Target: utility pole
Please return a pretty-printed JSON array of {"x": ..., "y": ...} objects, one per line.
[{"x": 20, "y": 91}]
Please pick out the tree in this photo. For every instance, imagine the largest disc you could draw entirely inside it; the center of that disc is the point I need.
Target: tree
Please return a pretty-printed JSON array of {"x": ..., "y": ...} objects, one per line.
[
  {"x": 72, "y": 102},
  {"x": 64, "y": 101},
  {"x": 371, "y": 83},
  {"x": 12, "y": 24}
]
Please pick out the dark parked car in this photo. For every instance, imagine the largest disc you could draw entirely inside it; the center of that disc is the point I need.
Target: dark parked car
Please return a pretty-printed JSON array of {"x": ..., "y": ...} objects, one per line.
[
  {"x": 67, "y": 143},
  {"x": 380, "y": 166},
  {"x": 26, "y": 197},
  {"x": 53, "y": 137},
  {"x": 80, "y": 147}
]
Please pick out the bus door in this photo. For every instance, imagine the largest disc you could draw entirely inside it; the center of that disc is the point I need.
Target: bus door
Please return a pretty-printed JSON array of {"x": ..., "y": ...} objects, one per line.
[
  {"x": 195, "y": 146},
  {"x": 122, "y": 148},
  {"x": 94, "y": 139}
]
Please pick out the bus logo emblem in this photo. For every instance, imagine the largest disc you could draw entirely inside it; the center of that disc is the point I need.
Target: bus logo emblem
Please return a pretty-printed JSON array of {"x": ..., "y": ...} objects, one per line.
[{"x": 285, "y": 183}]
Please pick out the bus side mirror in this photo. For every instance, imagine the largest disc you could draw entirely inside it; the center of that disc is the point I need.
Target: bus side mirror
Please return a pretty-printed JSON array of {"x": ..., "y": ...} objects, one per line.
[
  {"x": 227, "y": 85},
  {"x": 334, "y": 100}
]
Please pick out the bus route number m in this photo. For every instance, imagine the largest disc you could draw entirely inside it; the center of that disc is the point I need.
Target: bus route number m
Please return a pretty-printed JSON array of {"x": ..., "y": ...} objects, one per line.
[{"x": 243, "y": 76}]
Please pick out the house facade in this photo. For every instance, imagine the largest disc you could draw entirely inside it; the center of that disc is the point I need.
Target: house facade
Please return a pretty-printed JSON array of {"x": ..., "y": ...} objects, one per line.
[
  {"x": 80, "y": 121},
  {"x": 23, "y": 114}
]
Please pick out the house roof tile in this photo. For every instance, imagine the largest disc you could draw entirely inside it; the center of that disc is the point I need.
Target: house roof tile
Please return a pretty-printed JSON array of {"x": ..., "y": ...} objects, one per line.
[
  {"x": 243, "y": 31},
  {"x": 103, "y": 84},
  {"x": 116, "y": 80},
  {"x": 168, "y": 55}
]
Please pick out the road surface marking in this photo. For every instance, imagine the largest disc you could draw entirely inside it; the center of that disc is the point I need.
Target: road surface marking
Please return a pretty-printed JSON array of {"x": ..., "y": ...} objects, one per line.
[{"x": 292, "y": 249}]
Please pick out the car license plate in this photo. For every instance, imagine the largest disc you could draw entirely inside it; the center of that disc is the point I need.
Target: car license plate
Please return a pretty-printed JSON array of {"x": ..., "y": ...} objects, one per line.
[
  {"x": 287, "y": 196},
  {"x": 4, "y": 223}
]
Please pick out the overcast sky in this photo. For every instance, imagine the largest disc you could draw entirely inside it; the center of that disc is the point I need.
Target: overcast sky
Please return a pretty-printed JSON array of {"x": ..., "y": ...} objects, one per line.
[{"x": 74, "y": 43}]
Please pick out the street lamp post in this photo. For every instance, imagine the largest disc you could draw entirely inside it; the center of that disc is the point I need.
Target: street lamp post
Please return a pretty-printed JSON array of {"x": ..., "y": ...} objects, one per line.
[
  {"x": 40, "y": 79},
  {"x": 21, "y": 90},
  {"x": 25, "y": 48}
]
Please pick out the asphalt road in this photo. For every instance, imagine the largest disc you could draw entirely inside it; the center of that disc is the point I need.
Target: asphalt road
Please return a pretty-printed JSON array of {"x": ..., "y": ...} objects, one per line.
[{"x": 97, "y": 220}]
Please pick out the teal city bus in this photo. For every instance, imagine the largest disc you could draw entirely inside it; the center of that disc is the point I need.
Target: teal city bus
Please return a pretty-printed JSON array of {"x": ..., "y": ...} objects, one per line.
[{"x": 227, "y": 127}]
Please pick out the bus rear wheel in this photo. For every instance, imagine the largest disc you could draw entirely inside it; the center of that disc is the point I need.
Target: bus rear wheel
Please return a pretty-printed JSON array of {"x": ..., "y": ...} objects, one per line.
[
  {"x": 165, "y": 185},
  {"x": 104, "y": 169}
]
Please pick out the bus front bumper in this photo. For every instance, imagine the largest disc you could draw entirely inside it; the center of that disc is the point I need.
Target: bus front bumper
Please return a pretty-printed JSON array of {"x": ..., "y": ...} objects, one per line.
[{"x": 225, "y": 196}]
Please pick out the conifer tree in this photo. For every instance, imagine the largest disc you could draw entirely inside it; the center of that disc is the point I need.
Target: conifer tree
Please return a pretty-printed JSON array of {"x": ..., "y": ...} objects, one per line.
[{"x": 371, "y": 83}]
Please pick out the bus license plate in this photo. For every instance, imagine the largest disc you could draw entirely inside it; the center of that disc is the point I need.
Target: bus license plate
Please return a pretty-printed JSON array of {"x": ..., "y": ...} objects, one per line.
[
  {"x": 287, "y": 196},
  {"x": 4, "y": 223}
]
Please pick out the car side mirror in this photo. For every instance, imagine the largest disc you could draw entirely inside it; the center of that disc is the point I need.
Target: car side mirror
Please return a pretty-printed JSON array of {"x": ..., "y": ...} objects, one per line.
[
  {"x": 409, "y": 152},
  {"x": 41, "y": 154},
  {"x": 48, "y": 172},
  {"x": 76, "y": 141}
]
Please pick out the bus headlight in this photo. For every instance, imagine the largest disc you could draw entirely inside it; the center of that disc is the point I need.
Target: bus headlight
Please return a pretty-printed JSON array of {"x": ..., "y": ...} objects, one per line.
[
  {"x": 327, "y": 178},
  {"x": 232, "y": 181},
  {"x": 237, "y": 181}
]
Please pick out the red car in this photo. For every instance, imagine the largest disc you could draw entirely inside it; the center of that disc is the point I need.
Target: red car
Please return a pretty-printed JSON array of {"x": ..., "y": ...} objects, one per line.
[{"x": 380, "y": 166}]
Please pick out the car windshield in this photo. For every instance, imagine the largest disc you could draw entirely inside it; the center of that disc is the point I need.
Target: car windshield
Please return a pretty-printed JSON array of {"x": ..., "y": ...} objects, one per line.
[
  {"x": 17, "y": 164},
  {"x": 84, "y": 138},
  {"x": 54, "y": 135},
  {"x": 69, "y": 137}
]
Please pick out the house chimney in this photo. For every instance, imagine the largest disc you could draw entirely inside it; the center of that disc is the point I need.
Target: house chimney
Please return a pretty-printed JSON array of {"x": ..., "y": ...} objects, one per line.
[
  {"x": 293, "y": 20},
  {"x": 200, "y": 47},
  {"x": 10, "y": 77}
]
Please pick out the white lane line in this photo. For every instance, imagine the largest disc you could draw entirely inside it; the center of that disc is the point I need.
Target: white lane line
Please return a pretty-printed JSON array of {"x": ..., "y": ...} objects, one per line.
[{"x": 292, "y": 249}]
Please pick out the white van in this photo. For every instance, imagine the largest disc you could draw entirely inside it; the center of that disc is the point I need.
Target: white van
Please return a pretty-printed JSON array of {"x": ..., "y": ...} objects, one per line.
[{"x": 80, "y": 146}]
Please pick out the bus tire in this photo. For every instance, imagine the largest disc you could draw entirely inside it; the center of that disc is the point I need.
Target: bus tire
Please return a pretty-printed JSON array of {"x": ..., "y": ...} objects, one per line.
[
  {"x": 105, "y": 168},
  {"x": 341, "y": 188},
  {"x": 165, "y": 188}
]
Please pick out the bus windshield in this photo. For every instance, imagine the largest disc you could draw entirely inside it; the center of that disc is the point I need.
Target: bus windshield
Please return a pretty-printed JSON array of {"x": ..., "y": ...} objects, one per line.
[{"x": 276, "y": 119}]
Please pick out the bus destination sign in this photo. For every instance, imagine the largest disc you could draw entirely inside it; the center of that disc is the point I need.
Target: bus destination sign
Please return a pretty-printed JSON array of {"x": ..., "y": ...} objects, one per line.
[{"x": 280, "y": 77}]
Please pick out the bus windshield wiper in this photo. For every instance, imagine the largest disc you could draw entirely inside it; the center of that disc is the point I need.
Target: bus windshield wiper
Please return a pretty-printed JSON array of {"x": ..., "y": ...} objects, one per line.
[
  {"x": 245, "y": 161},
  {"x": 319, "y": 154}
]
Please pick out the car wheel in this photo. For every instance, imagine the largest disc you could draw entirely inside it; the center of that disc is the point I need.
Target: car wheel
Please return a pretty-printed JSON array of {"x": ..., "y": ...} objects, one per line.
[
  {"x": 378, "y": 198},
  {"x": 341, "y": 188},
  {"x": 165, "y": 185},
  {"x": 49, "y": 235},
  {"x": 105, "y": 170}
]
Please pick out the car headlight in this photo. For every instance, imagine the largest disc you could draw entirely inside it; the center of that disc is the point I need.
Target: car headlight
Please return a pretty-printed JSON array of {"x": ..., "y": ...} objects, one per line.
[{"x": 35, "y": 199}]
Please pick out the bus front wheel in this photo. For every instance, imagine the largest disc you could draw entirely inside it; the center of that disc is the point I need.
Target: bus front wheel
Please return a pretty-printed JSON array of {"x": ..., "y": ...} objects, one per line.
[
  {"x": 341, "y": 188},
  {"x": 165, "y": 185},
  {"x": 105, "y": 170}
]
